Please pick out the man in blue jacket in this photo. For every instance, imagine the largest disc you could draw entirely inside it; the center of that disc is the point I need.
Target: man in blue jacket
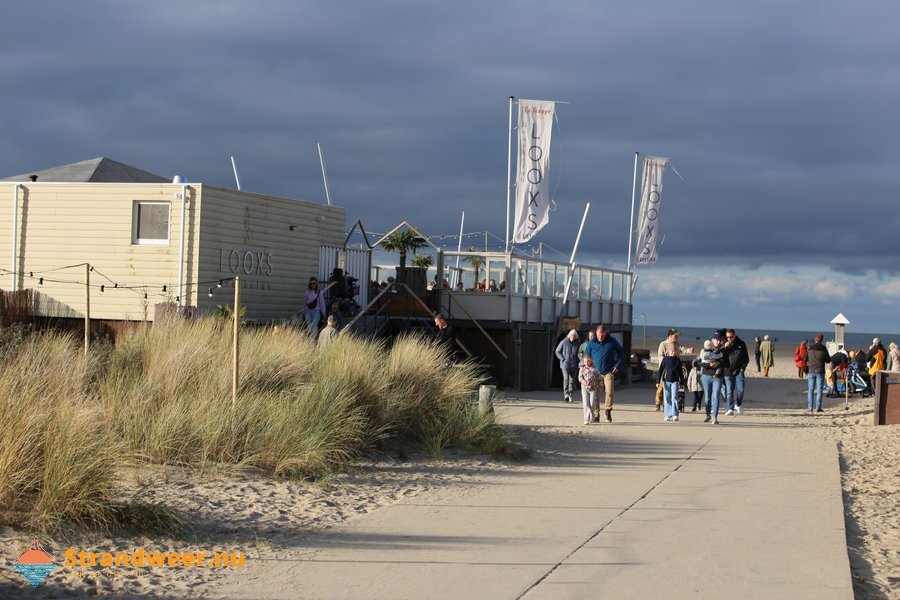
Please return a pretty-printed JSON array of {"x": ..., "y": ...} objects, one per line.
[
  {"x": 567, "y": 353},
  {"x": 607, "y": 354}
]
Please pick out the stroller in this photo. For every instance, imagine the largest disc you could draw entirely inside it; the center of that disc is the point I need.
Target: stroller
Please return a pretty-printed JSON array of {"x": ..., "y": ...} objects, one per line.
[{"x": 849, "y": 381}]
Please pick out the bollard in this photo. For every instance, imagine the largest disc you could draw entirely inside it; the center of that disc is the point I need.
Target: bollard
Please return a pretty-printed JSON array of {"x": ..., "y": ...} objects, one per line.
[{"x": 486, "y": 397}]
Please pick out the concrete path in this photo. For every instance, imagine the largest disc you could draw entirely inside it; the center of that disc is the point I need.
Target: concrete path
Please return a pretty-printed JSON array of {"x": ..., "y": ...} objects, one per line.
[{"x": 636, "y": 509}]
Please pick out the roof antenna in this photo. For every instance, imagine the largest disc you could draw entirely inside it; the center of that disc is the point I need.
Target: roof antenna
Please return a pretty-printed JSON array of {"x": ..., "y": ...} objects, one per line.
[
  {"x": 324, "y": 175},
  {"x": 236, "y": 178}
]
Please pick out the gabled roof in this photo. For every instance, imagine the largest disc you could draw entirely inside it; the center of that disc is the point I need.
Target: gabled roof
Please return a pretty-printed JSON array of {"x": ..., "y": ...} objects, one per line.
[{"x": 95, "y": 170}]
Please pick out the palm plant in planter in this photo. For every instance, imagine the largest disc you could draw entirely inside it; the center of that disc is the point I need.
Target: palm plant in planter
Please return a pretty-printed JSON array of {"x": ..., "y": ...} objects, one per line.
[
  {"x": 403, "y": 242},
  {"x": 423, "y": 261}
]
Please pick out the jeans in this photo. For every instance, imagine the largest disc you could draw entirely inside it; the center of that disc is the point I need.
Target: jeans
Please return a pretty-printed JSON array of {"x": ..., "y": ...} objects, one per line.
[
  {"x": 312, "y": 320},
  {"x": 729, "y": 391},
  {"x": 569, "y": 379},
  {"x": 670, "y": 397},
  {"x": 814, "y": 383},
  {"x": 589, "y": 403},
  {"x": 758, "y": 368},
  {"x": 711, "y": 387},
  {"x": 739, "y": 388}
]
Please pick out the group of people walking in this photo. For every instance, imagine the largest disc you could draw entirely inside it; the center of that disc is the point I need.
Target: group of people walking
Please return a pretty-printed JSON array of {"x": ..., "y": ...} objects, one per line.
[
  {"x": 594, "y": 365},
  {"x": 721, "y": 364}
]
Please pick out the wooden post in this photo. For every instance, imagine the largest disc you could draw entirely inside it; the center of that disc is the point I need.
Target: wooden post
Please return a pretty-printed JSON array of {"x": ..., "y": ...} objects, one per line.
[
  {"x": 486, "y": 398},
  {"x": 87, "y": 308},
  {"x": 236, "y": 316}
]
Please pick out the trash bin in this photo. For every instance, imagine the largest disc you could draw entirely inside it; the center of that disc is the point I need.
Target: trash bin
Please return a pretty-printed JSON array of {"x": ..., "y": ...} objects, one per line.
[{"x": 887, "y": 398}]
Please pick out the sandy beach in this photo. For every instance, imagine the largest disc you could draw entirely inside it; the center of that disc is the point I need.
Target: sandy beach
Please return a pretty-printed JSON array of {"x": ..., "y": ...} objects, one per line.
[{"x": 266, "y": 519}]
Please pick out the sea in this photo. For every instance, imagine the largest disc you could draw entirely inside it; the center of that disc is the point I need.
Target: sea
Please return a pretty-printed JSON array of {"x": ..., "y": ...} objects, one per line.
[{"x": 852, "y": 339}]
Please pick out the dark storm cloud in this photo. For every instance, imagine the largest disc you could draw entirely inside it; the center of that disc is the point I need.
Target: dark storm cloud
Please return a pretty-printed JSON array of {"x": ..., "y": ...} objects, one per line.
[{"x": 780, "y": 116}]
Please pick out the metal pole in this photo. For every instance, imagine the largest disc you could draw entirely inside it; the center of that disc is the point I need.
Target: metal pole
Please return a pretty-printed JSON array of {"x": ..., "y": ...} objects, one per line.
[
  {"x": 631, "y": 223},
  {"x": 237, "y": 179},
  {"x": 485, "y": 240},
  {"x": 87, "y": 308},
  {"x": 235, "y": 366},
  {"x": 508, "y": 169},
  {"x": 456, "y": 276},
  {"x": 571, "y": 268},
  {"x": 645, "y": 329},
  {"x": 324, "y": 175}
]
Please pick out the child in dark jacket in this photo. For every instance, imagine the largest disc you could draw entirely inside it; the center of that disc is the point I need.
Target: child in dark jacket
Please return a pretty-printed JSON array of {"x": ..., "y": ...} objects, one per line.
[{"x": 670, "y": 377}]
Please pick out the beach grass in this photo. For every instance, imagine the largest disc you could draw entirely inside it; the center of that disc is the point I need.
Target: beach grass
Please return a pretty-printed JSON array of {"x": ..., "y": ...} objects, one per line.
[{"x": 162, "y": 395}]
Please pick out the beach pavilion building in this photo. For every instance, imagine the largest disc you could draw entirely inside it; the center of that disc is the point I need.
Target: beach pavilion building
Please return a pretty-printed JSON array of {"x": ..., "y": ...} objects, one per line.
[
  {"x": 159, "y": 245},
  {"x": 155, "y": 242}
]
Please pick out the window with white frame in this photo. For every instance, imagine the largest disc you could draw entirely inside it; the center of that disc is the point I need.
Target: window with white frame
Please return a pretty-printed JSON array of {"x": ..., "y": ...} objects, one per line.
[{"x": 150, "y": 223}]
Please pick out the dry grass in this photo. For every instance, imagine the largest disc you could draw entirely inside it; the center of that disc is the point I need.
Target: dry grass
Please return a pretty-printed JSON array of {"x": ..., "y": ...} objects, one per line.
[{"x": 163, "y": 395}]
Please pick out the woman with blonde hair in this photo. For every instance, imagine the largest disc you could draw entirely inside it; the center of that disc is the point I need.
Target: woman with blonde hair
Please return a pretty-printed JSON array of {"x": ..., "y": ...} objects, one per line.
[{"x": 893, "y": 358}]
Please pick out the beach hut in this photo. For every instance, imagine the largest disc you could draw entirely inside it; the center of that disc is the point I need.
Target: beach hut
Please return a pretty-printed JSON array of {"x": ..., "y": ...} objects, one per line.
[{"x": 157, "y": 241}]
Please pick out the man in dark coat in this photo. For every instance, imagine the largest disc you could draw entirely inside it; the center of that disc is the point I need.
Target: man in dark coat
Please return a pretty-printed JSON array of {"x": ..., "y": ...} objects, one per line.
[
  {"x": 446, "y": 337},
  {"x": 738, "y": 353}
]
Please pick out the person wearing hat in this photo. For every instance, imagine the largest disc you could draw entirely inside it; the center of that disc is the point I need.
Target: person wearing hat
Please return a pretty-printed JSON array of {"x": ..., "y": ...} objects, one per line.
[
  {"x": 767, "y": 355},
  {"x": 711, "y": 378},
  {"x": 671, "y": 338},
  {"x": 567, "y": 353},
  {"x": 876, "y": 357}
]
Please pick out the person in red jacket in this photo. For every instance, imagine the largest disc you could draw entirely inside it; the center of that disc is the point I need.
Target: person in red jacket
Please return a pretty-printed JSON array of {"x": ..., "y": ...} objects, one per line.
[{"x": 800, "y": 360}]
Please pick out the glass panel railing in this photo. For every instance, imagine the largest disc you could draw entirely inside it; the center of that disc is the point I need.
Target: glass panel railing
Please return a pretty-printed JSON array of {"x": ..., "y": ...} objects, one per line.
[
  {"x": 548, "y": 280},
  {"x": 496, "y": 273},
  {"x": 534, "y": 278},
  {"x": 561, "y": 273},
  {"x": 597, "y": 285},
  {"x": 519, "y": 273}
]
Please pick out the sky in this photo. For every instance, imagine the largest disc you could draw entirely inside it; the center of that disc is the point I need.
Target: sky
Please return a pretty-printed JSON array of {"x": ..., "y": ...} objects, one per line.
[{"x": 780, "y": 116}]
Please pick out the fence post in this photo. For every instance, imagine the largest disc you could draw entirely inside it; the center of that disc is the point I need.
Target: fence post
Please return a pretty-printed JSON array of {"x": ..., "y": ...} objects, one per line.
[
  {"x": 87, "y": 308},
  {"x": 236, "y": 317}
]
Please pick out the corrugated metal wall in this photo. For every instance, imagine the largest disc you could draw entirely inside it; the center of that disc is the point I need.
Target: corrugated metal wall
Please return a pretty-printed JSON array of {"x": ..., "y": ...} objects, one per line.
[{"x": 355, "y": 264}]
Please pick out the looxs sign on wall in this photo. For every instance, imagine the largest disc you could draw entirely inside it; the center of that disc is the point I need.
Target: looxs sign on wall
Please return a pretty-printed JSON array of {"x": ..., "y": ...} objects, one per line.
[{"x": 245, "y": 262}]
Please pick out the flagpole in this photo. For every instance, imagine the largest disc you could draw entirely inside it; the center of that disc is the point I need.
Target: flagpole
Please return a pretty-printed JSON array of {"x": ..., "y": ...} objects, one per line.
[
  {"x": 587, "y": 207},
  {"x": 456, "y": 276},
  {"x": 508, "y": 169},
  {"x": 631, "y": 224}
]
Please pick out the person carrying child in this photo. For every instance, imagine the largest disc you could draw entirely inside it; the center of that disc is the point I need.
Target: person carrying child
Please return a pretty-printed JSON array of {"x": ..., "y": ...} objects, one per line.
[
  {"x": 711, "y": 378},
  {"x": 694, "y": 384},
  {"x": 669, "y": 378},
  {"x": 591, "y": 384}
]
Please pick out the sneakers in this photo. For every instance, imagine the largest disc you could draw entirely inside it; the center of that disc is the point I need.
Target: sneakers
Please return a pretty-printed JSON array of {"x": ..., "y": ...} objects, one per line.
[
  {"x": 587, "y": 422},
  {"x": 694, "y": 409},
  {"x": 667, "y": 418},
  {"x": 740, "y": 410},
  {"x": 715, "y": 422},
  {"x": 707, "y": 419},
  {"x": 675, "y": 418},
  {"x": 658, "y": 407},
  {"x": 568, "y": 398},
  {"x": 608, "y": 415},
  {"x": 819, "y": 409},
  {"x": 729, "y": 413}
]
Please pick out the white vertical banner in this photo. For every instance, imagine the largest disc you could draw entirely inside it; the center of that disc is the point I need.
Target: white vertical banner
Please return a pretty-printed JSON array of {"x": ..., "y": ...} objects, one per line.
[
  {"x": 646, "y": 251},
  {"x": 532, "y": 177}
]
